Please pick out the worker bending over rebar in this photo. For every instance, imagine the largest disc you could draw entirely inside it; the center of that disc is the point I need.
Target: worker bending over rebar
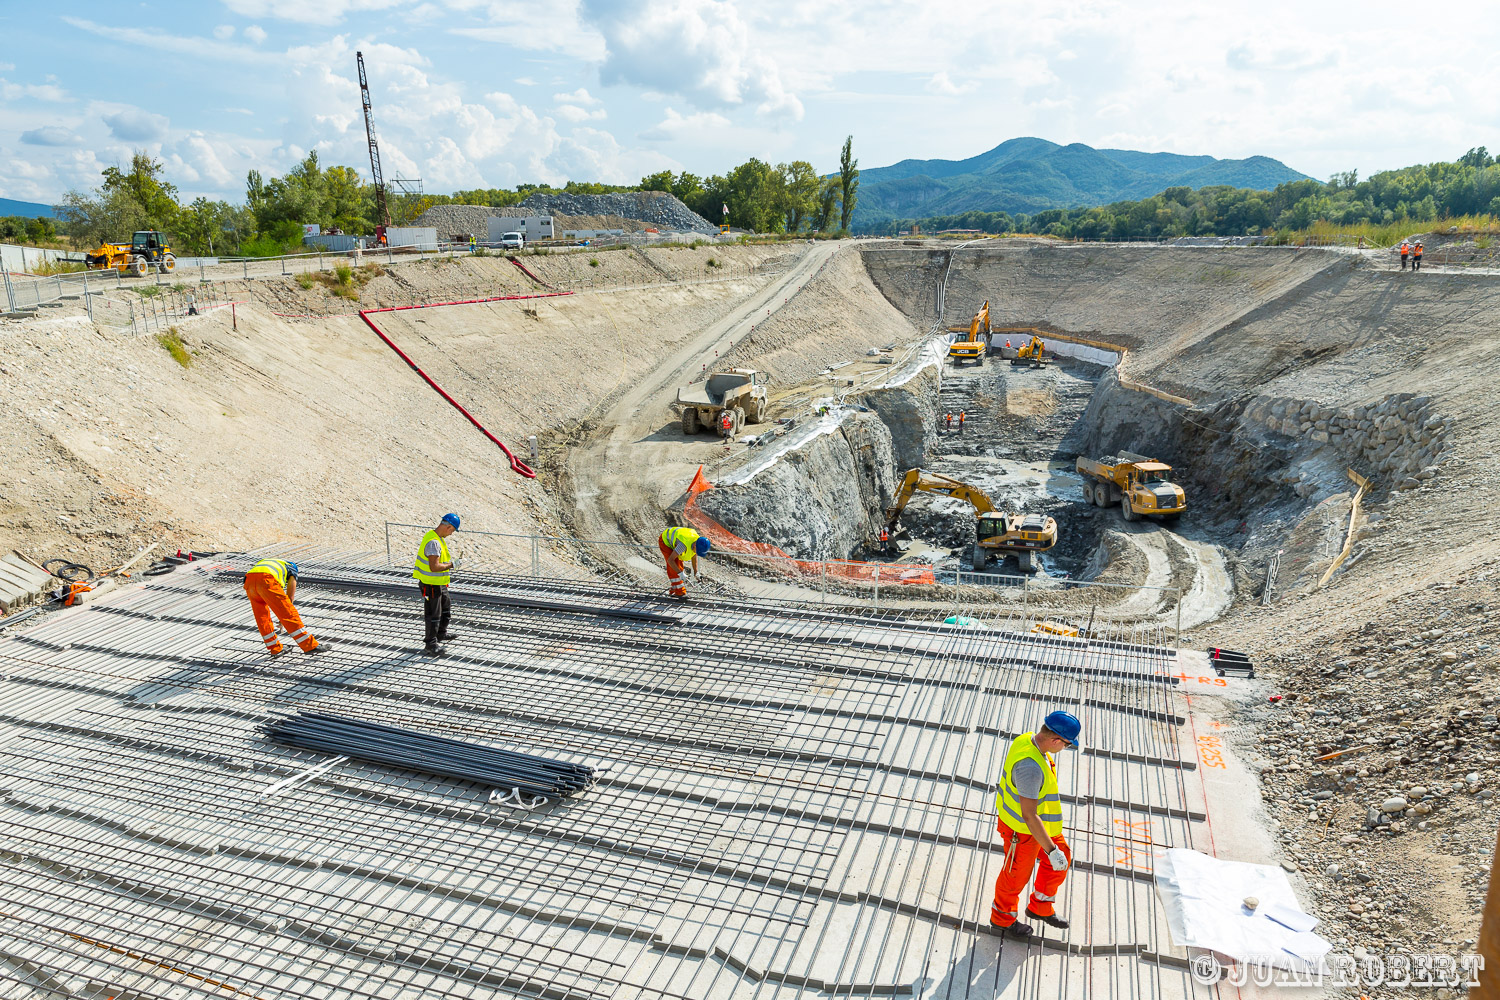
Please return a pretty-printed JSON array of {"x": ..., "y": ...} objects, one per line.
[
  {"x": 677, "y": 545},
  {"x": 271, "y": 584},
  {"x": 1030, "y": 809}
]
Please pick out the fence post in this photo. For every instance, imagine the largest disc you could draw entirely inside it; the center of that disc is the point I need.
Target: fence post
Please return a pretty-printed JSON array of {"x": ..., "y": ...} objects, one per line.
[
  {"x": 823, "y": 583},
  {"x": 388, "y": 544},
  {"x": 1178, "y": 638},
  {"x": 245, "y": 264},
  {"x": 10, "y": 294},
  {"x": 877, "y": 586},
  {"x": 1025, "y": 590},
  {"x": 536, "y": 570}
]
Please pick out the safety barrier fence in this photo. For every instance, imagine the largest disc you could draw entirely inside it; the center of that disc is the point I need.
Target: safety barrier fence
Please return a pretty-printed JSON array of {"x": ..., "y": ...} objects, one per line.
[{"x": 1038, "y": 603}]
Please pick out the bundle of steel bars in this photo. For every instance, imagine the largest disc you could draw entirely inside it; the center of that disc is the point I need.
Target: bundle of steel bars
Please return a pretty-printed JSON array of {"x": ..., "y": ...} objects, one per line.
[{"x": 430, "y": 754}]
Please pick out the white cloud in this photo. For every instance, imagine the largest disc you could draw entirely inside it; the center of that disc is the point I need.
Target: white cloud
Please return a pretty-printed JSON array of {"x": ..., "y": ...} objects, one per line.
[
  {"x": 526, "y": 81},
  {"x": 941, "y": 83},
  {"x": 224, "y": 32},
  {"x": 255, "y": 33},
  {"x": 555, "y": 26},
  {"x": 306, "y": 11},
  {"x": 205, "y": 49},
  {"x": 675, "y": 126},
  {"x": 135, "y": 125},
  {"x": 579, "y": 106},
  {"x": 37, "y": 91},
  {"x": 51, "y": 135},
  {"x": 580, "y": 97},
  {"x": 699, "y": 49}
]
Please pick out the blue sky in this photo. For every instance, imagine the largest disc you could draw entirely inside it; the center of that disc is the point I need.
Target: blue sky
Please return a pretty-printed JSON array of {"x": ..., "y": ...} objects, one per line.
[{"x": 472, "y": 93}]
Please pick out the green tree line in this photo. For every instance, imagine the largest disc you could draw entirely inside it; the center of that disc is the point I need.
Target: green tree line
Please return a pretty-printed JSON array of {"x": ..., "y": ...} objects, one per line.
[{"x": 1468, "y": 186}]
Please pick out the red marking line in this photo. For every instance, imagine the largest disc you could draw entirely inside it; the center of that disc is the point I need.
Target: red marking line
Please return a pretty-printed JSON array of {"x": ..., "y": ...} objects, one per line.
[{"x": 516, "y": 465}]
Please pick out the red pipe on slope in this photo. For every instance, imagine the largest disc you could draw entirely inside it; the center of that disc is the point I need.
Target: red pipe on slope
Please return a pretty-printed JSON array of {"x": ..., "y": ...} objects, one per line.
[
  {"x": 528, "y": 273},
  {"x": 516, "y": 464}
]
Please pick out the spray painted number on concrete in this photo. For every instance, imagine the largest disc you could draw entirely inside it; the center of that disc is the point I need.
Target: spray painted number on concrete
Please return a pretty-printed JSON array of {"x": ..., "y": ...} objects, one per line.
[
  {"x": 1134, "y": 843},
  {"x": 1211, "y": 751}
]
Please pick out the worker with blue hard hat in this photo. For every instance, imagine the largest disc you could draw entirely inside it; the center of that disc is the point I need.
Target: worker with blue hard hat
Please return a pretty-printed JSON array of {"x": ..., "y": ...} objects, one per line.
[
  {"x": 433, "y": 572},
  {"x": 678, "y": 545},
  {"x": 271, "y": 585},
  {"x": 1030, "y": 826}
]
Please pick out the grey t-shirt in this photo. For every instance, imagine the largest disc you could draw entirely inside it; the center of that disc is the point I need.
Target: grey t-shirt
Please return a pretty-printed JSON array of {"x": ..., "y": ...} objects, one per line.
[
  {"x": 433, "y": 548},
  {"x": 1027, "y": 777}
]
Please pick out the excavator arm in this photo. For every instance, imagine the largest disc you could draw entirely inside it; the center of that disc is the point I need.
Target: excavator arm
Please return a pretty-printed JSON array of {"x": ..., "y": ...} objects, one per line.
[
  {"x": 916, "y": 481},
  {"x": 980, "y": 324}
]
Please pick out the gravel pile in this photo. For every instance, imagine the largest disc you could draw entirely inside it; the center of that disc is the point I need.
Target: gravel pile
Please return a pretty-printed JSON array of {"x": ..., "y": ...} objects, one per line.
[
  {"x": 449, "y": 220},
  {"x": 655, "y": 207}
]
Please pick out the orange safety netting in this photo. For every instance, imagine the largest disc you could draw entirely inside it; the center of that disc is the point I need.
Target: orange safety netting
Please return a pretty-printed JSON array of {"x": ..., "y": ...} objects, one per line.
[{"x": 860, "y": 572}]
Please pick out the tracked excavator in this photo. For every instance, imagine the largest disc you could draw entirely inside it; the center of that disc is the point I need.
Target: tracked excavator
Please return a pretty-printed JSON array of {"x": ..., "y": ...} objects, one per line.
[
  {"x": 1031, "y": 354},
  {"x": 995, "y": 533},
  {"x": 972, "y": 348}
]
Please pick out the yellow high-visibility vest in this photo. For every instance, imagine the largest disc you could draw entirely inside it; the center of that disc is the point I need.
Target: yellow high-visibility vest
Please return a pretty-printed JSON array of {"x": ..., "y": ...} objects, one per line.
[
  {"x": 421, "y": 570},
  {"x": 680, "y": 540},
  {"x": 1007, "y": 802},
  {"x": 276, "y": 567}
]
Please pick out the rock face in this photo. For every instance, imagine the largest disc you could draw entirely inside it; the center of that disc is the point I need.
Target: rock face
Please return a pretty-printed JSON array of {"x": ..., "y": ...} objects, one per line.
[
  {"x": 827, "y": 499},
  {"x": 656, "y": 207}
]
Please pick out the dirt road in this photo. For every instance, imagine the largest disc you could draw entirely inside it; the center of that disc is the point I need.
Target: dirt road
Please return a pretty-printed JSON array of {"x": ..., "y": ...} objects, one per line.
[{"x": 624, "y": 475}]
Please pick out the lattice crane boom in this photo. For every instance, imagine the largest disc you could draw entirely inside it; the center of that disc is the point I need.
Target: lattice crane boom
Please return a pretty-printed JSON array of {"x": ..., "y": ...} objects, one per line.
[{"x": 383, "y": 213}]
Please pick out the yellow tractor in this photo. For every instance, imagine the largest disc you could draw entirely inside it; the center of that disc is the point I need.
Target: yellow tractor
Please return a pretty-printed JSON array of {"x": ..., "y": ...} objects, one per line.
[
  {"x": 1024, "y": 535},
  {"x": 146, "y": 250},
  {"x": 971, "y": 348}
]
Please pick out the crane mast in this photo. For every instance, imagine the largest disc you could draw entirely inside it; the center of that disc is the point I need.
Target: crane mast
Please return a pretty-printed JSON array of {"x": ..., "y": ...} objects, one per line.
[{"x": 381, "y": 211}]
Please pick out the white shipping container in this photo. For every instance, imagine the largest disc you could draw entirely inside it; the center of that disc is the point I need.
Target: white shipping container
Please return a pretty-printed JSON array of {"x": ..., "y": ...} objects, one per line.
[{"x": 420, "y": 237}]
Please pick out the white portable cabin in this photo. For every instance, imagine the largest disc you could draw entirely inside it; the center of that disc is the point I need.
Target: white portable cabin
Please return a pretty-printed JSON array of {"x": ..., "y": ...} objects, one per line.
[{"x": 533, "y": 227}]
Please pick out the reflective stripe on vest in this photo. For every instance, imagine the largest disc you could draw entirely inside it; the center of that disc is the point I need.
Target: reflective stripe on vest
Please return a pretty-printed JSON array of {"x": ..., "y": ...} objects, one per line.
[
  {"x": 421, "y": 570},
  {"x": 275, "y": 567},
  {"x": 679, "y": 540},
  {"x": 1007, "y": 801}
]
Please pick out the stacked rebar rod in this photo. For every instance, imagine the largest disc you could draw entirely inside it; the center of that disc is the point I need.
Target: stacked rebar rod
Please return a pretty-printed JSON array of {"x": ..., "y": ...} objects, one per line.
[{"x": 413, "y": 751}]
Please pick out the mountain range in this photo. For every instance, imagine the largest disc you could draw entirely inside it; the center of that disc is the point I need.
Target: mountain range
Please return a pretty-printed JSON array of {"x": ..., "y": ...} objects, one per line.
[
  {"x": 1029, "y": 175},
  {"x": 30, "y": 209}
]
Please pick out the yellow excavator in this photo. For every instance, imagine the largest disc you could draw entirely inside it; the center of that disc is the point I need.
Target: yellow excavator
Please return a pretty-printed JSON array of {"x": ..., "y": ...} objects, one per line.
[
  {"x": 972, "y": 348},
  {"x": 1032, "y": 353},
  {"x": 995, "y": 533}
]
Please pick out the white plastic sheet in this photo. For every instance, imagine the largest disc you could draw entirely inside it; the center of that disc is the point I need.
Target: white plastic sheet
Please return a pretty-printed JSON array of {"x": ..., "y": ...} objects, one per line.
[{"x": 1204, "y": 900}]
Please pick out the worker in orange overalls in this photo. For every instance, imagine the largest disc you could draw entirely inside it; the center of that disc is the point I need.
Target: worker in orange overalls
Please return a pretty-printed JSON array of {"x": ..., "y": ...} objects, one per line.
[
  {"x": 677, "y": 545},
  {"x": 271, "y": 584},
  {"x": 1030, "y": 808},
  {"x": 1405, "y": 249},
  {"x": 1416, "y": 256}
]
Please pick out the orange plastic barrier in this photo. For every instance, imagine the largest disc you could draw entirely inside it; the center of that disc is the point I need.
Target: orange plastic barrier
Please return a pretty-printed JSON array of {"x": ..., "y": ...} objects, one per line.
[{"x": 857, "y": 572}]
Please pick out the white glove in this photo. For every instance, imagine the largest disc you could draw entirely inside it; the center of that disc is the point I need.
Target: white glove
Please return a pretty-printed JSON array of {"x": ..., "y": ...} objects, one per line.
[
  {"x": 453, "y": 563},
  {"x": 1058, "y": 859}
]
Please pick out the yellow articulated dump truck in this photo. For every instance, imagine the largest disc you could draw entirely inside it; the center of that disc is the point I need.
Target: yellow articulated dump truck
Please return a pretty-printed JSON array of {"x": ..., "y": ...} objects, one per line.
[
  {"x": 996, "y": 534},
  {"x": 1141, "y": 486},
  {"x": 147, "y": 250}
]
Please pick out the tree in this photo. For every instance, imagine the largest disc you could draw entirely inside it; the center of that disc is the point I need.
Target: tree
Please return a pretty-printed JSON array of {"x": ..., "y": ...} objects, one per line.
[
  {"x": 752, "y": 188},
  {"x": 659, "y": 181},
  {"x": 848, "y": 182},
  {"x": 799, "y": 193},
  {"x": 1477, "y": 157},
  {"x": 143, "y": 185},
  {"x": 828, "y": 197}
]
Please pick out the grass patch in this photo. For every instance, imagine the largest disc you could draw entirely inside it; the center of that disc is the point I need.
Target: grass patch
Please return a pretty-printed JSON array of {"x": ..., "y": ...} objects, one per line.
[
  {"x": 343, "y": 281},
  {"x": 713, "y": 262},
  {"x": 306, "y": 280},
  {"x": 593, "y": 262},
  {"x": 172, "y": 344},
  {"x": 1387, "y": 234},
  {"x": 148, "y": 291},
  {"x": 48, "y": 268},
  {"x": 1483, "y": 242}
]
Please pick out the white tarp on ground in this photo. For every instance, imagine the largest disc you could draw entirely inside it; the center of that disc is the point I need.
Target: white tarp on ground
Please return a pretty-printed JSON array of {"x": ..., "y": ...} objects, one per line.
[{"x": 1204, "y": 899}]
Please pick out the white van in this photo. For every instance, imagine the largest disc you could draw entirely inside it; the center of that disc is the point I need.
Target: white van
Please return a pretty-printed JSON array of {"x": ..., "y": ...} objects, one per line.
[{"x": 512, "y": 241}]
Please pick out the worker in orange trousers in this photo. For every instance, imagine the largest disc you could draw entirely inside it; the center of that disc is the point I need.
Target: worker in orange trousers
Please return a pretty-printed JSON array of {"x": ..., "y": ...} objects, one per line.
[
  {"x": 679, "y": 546},
  {"x": 1030, "y": 808},
  {"x": 271, "y": 584}
]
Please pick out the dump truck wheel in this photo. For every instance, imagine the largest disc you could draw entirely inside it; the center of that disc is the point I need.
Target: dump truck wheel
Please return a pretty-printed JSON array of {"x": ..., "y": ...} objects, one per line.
[
  {"x": 1101, "y": 495},
  {"x": 1088, "y": 494},
  {"x": 138, "y": 266},
  {"x": 169, "y": 263},
  {"x": 1130, "y": 515},
  {"x": 690, "y": 421}
]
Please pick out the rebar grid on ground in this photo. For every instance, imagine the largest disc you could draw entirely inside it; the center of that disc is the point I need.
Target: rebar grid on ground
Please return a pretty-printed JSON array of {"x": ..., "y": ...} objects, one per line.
[{"x": 795, "y": 800}]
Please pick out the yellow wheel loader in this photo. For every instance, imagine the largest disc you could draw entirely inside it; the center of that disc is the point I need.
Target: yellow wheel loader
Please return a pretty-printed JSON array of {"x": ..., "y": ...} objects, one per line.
[
  {"x": 147, "y": 250},
  {"x": 996, "y": 534}
]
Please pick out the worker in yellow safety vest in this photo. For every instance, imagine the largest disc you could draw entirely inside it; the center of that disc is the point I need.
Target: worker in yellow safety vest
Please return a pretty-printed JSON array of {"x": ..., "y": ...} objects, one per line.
[
  {"x": 678, "y": 545},
  {"x": 1030, "y": 809},
  {"x": 271, "y": 584},
  {"x": 433, "y": 572}
]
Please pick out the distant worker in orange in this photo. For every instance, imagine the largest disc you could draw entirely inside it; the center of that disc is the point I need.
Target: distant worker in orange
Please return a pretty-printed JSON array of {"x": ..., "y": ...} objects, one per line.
[
  {"x": 1030, "y": 808},
  {"x": 271, "y": 584},
  {"x": 885, "y": 540},
  {"x": 961, "y": 417},
  {"x": 947, "y": 421},
  {"x": 677, "y": 546},
  {"x": 1405, "y": 249},
  {"x": 1416, "y": 256}
]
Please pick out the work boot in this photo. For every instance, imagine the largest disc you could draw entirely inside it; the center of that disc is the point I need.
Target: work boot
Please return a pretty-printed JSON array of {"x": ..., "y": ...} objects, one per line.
[
  {"x": 431, "y": 649},
  {"x": 321, "y": 647},
  {"x": 1053, "y": 920},
  {"x": 447, "y": 637},
  {"x": 1017, "y": 930}
]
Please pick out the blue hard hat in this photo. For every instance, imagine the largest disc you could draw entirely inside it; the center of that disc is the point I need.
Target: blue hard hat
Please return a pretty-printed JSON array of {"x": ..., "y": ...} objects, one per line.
[
  {"x": 1064, "y": 725},
  {"x": 451, "y": 519},
  {"x": 291, "y": 569},
  {"x": 701, "y": 546}
]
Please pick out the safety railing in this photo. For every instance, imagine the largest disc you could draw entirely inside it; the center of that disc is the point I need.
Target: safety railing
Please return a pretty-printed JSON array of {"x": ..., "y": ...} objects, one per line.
[
  {"x": 23, "y": 294},
  {"x": 1062, "y": 607}
]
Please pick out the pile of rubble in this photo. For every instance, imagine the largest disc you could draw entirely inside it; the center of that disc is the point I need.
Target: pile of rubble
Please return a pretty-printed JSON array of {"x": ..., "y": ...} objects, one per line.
[{"x": 658, "y": 208}]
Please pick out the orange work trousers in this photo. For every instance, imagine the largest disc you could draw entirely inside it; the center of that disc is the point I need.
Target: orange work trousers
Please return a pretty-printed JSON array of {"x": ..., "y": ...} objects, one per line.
[
  {"x": 1022, "y": 852},
  {"x": 266, "y": 596},
  {"x": 674, "y": 570}
]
